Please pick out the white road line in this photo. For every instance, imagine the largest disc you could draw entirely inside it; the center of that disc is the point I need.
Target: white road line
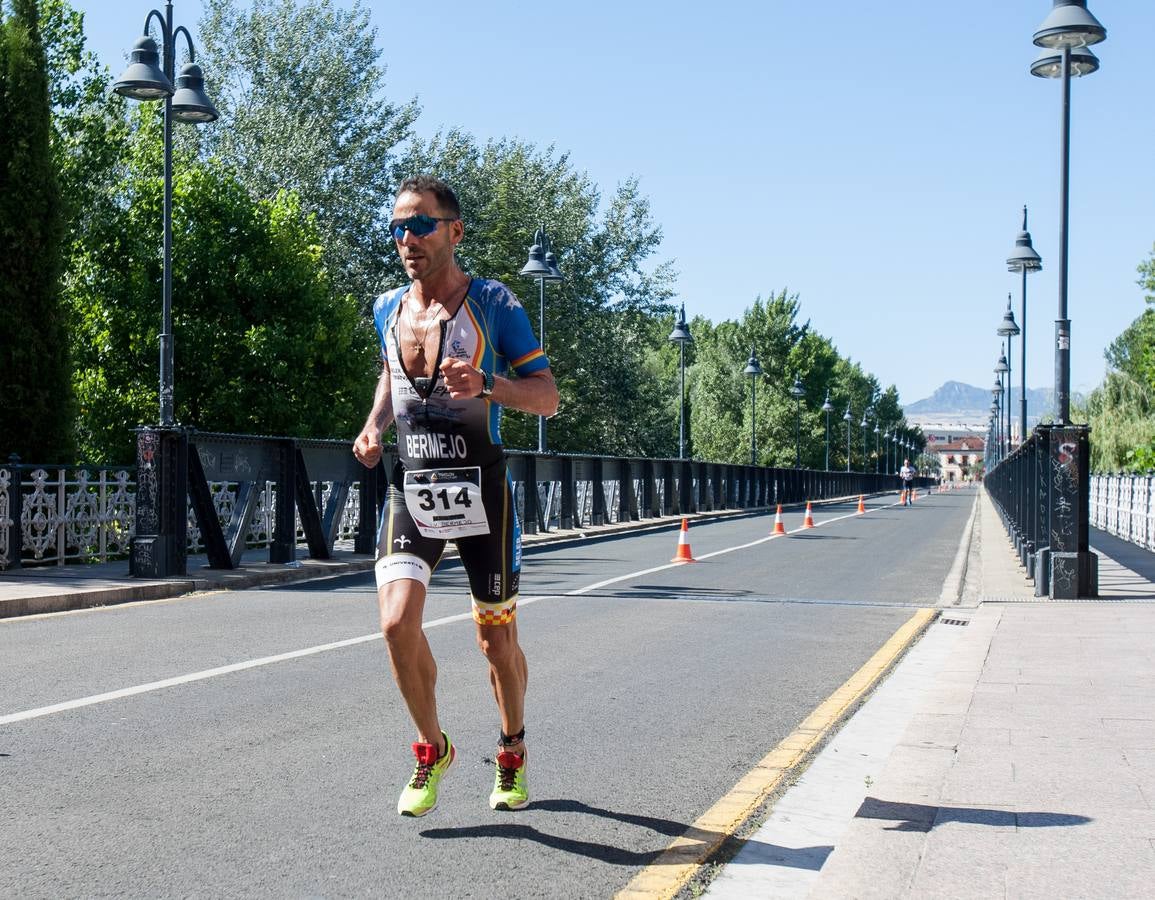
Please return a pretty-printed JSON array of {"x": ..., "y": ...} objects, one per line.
[{"x": 40, "y": 711}]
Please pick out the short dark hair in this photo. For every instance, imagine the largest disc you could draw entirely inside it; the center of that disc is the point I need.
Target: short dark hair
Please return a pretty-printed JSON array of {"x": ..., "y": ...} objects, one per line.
[{"x": 428, "y": 184}]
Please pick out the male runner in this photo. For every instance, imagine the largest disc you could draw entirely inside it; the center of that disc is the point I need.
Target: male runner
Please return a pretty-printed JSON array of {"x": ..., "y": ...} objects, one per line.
[
  {"x": 447, "y": 339},
  {"x": 907, "y": 475}
]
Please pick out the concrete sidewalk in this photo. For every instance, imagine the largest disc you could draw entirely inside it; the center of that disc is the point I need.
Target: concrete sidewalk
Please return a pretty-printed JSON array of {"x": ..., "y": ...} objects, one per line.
[{"x": 1011, "y": 753}]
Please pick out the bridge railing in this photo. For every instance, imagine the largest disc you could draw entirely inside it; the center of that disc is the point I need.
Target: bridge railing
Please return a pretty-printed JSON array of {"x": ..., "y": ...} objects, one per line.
[
  {"x": 1042, "y": 493},
  {"x": 221, "y": 494},
  {"x": 1124, "y": 505}
]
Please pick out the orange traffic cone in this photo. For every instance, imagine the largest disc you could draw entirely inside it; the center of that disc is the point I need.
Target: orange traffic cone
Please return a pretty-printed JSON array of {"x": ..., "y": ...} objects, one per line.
[
  {"x": 861, "y": 504},
  {"x": 684, "y": 554},
  {"x": 913, "y": 494},
  {"x": 808, "y": 522},
  {"x": 779, "y": 528}
]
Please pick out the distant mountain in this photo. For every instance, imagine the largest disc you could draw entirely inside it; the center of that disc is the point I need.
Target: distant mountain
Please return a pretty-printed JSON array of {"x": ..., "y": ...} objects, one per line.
[{"x": 958, "y": 401}]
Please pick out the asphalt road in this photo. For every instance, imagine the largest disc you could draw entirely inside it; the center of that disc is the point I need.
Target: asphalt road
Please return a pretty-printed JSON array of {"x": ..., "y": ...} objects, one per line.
[{"x": 653, "y": 689}]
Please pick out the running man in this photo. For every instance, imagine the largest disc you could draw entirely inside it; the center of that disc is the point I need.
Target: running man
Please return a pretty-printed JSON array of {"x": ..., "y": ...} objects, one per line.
[
  {"x": 906, "y": 473},
  {"x": 447, "y": 341}
]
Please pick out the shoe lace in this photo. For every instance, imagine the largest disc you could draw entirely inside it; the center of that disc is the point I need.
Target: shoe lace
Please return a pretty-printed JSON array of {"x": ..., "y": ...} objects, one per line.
[
  {"x": 421, "y": 773},
  {"x": 507, "y": 775}
]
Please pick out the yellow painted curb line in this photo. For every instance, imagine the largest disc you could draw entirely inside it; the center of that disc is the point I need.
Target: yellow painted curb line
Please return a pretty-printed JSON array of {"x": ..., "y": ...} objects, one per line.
[{"x": 679, "y": 862}]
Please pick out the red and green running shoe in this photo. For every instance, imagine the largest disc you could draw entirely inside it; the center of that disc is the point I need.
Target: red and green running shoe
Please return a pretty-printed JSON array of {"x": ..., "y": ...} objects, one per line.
[
  {"x": 510, "y": 790},
  {"x": 420, "y": 795}
]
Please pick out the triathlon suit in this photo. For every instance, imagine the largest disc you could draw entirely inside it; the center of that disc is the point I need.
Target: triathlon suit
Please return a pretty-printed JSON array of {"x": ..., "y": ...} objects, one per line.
[
  {"x": 907, "y": 474},
  {"x": 451, "y": 481}
]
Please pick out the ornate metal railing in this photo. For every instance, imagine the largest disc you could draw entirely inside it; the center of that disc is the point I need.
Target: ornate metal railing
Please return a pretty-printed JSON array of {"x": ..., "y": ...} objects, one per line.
[
  {"x": 245, "y": 491},
  {"x": 1124, "y": 505},
  {"x": 1042, "y": 493}
]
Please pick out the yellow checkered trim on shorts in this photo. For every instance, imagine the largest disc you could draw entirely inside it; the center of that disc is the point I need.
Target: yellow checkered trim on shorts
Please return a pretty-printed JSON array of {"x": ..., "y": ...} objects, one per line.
[{"x": 495, "y": 613}]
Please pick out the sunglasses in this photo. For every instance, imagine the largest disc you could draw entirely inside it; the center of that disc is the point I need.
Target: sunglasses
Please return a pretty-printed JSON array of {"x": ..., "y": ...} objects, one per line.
[{"x": 418, "y": 226}]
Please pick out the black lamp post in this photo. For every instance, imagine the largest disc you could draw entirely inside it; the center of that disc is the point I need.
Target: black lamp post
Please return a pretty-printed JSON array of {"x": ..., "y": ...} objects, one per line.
[
  {"x": 1069, "y": 29},
  {"x": 542, "y": 266},
  {"x": 828, "y": 408},
  {"x": 864, "y": 426},
  {"x": 877, "y": 455},
  {"x": 752, "y": 371},
  {"x": 1008, "y": 329},
  {"x": 847, "y": 419},
  {"x": 1002, "y": 376},
  {"x": 187, "y": 102},
  {"x": 886, "y": 450},
  {"x": 797, "y": 392},
  {"x": 681, "y": 336},
  {"x": 1023, "y": 259}
]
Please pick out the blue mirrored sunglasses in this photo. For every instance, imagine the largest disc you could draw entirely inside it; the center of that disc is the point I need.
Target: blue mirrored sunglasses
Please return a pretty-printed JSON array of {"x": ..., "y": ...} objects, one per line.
[{"x": 418, "y": 226}]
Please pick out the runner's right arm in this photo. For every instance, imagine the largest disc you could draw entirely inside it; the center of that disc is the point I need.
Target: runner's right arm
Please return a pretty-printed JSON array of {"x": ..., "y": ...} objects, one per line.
[{"x": 367, "y": 447}]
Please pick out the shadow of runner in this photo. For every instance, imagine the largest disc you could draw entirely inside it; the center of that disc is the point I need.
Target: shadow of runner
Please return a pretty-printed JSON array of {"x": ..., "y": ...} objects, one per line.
[
  {"x": 922, "y": 817},
  {"x": 803, "y": 857}
]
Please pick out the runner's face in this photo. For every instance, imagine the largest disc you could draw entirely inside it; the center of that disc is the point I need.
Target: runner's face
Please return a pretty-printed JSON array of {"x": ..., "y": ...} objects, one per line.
[{"x": 429, "y": 256}]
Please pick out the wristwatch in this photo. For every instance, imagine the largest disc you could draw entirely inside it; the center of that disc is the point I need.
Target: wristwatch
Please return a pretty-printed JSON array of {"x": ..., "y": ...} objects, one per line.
[{"x": 486, "y": 383}]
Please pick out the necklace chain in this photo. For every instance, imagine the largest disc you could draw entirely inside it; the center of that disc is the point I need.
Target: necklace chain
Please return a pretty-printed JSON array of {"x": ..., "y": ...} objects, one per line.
[{"x": 419, "y": 345}]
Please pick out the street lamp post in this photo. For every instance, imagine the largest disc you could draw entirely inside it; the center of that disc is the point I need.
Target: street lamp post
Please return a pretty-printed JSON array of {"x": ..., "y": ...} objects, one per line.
[
  {"x": 828, "y": 408},
  {"x": 847, "y": 419},
  {"x": 1003, "y": 368},
  {"x": 1008, "y": 329},
  {"x": 886, "y": 450},
  {"x": 797, "y": 392},
  {"x": 864, "y": 429},
  {"x": 1023, "y": 259},
  {"x": 187, "y": 102},
  {"x": 542, "y": 266},
  {"x": 1069, "y": 29},
  {"x": 877, "y": 454},
  {"x": 752, "y": 371},
  {"x": 681, "y": 336}
]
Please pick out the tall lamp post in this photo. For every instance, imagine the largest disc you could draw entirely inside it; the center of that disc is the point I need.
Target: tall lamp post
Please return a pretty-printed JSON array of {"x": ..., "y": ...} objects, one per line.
[
  {"x": 1003, "y": 377},
  {"x": 681, "y": 336},
  {"x": 1069, "y": 29},
  {"x": 828, "y": 408},
  {"x": 541, "y": 266},
  {"x": 847, "y": 419},
  {"x": 886, "y": 449},
  {"x": 797, "y": 392},
  {"x": 1023, "y": 259},
  {"x": 877, "y": 453},
  {"x": 1008, "y": 329},
  {"x": 752, "y": 371},
  {"x": 187, "y": 102},
  {"x": 864, "y": 427}
]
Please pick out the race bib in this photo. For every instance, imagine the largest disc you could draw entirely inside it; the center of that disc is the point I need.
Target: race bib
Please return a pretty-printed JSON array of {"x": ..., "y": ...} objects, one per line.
[{"x": 446, "y": 503}]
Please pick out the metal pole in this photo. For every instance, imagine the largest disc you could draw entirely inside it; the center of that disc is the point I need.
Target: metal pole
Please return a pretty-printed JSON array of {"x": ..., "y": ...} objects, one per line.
[
  {"x": 877, "y": 454},
  {"x": 167, "y": 417},
  {"x": 753, "y": 429},
  {"x": 681, "y": 401},
  {"x": 797, "y": 432},
  {"x": 1023, "y": 363},
  {"x": 1010, "y": 381},
  {"x": 827, "y": 440},
  {"x": 848, "y": 446},
  {"x": 864, "y": 449},
  {"x": 1063, "y": 324},
  {"x": 541, "y": 419}
]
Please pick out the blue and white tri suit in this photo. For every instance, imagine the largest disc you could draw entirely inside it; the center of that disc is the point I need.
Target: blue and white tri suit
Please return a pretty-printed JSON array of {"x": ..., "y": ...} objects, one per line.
[{"x": 490, "y": 331}]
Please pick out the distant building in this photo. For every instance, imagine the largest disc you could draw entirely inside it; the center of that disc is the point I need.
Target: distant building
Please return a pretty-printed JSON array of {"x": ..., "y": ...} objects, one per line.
[{"x": 959, "y": 460}]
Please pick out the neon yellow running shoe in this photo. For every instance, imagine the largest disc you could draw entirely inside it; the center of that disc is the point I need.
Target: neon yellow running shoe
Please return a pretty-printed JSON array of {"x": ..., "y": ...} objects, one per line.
[
  {"x": 420, "y": 795},
  {"x": 509, "y": 786}
]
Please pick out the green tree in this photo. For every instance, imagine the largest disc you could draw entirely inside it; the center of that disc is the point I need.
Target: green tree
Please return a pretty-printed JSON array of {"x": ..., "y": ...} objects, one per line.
[
  {"x": 37, "y": 415},
  {"x": 300, "y": 88},
  {"x": 263, "y": 343}
]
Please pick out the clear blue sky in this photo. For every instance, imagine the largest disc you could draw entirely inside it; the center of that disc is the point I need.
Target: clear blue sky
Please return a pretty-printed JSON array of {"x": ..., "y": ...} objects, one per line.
[{"x": 872, "y": 157}]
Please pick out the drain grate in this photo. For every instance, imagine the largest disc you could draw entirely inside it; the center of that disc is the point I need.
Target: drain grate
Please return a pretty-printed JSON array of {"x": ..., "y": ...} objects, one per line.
[{"x": 954, "y": 621}]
